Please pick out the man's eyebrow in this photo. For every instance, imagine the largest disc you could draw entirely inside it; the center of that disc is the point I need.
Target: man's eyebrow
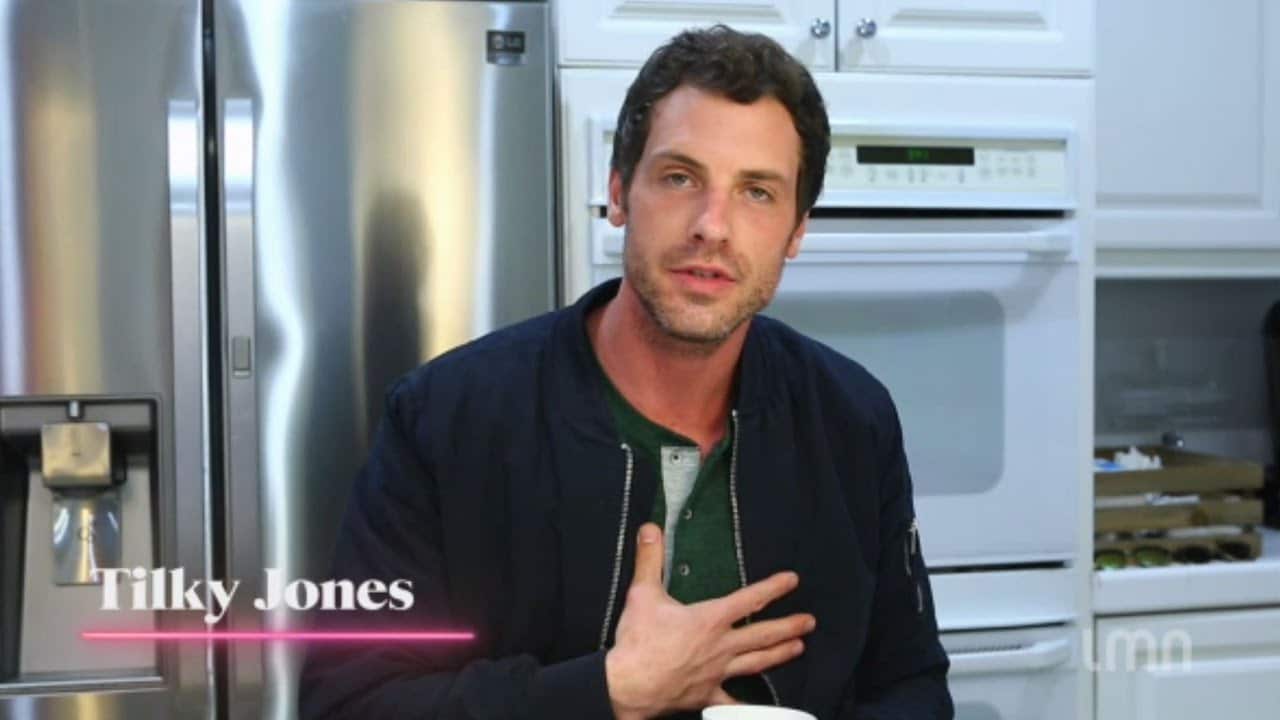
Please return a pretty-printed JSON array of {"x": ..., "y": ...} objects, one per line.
[
  {"x": 754, "y": 175},
  {"x": 679, "y": 157},
  {"x": 764, "y": 175}
]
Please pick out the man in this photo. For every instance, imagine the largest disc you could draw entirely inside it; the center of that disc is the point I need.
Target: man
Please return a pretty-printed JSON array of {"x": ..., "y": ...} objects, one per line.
[{"x": 654, "y": 500}]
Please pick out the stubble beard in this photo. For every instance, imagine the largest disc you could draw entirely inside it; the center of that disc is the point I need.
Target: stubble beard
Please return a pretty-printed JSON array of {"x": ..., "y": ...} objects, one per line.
[{"x": 698, "y": 327}]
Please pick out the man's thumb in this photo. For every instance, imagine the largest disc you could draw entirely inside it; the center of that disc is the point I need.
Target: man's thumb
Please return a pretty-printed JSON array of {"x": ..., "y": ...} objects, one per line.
[{"x": 649, "y": 555}]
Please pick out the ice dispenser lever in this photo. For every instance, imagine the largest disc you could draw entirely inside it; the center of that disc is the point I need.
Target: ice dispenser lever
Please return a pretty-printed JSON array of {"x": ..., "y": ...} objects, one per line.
[
  {"x": 85, "y": 526},
  {"x": 75, "y": 455}
]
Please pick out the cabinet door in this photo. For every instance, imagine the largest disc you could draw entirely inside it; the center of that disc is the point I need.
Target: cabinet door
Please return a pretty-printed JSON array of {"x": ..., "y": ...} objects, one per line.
[
  {"x": 1008, "y": 37},
  {"x": 623, "y": 33},
  {"x": 1192, "y": 666},
  {"x": 1188, "y": 125}
]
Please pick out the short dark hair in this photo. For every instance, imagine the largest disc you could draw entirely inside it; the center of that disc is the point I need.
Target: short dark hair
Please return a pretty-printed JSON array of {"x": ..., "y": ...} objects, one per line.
[{"x": 742, "y": 67}]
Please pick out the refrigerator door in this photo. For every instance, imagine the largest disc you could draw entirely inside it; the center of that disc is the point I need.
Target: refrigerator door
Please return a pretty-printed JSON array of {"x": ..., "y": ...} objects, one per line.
[
  {"x": 101, "y": 335},
  {"x": 387, "y": 191}
]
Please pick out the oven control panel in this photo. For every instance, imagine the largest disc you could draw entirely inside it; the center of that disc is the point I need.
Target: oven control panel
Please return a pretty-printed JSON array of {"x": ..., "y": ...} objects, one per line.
[{"x": 871, "y": 163}]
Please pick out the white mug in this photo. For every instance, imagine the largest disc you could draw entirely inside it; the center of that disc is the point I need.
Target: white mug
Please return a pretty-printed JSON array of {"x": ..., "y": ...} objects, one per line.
[{"x": 753, "y": 712}]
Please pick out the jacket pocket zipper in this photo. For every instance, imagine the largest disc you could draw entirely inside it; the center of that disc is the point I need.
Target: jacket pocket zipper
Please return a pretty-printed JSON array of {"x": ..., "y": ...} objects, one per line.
[{"x": 911, "y": 548}]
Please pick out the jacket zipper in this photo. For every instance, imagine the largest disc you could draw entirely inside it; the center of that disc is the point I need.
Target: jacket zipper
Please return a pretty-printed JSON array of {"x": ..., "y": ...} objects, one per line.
[
  {"x": 737, "y": 534},
  {"x": 618, "y": 548}
]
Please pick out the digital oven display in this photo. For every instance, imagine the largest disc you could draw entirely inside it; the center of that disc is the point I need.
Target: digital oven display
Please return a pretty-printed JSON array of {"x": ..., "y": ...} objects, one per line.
[{"x": 908, "y": 155}]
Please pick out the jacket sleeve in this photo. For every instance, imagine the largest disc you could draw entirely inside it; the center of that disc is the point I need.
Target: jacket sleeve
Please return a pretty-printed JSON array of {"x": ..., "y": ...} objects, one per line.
[
  {"x": 391, "y": 531},
  {"x": 902, "y": 674}
]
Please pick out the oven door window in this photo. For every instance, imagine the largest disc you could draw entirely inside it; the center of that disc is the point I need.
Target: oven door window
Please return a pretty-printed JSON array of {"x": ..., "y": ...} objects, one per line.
[{"x": 942, "y": 356}]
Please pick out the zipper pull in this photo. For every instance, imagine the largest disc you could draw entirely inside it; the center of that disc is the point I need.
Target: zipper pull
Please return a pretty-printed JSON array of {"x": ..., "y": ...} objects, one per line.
[
  {"x": 909, "y": 546},
  {"x": 913, "y": 549}
]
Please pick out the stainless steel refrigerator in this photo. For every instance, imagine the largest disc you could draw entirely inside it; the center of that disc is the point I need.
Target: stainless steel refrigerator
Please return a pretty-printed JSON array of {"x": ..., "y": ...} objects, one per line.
[{"x": 225, "y": 228}]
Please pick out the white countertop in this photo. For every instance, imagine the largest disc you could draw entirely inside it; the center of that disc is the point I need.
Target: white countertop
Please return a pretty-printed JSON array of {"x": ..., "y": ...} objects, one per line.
[{"x": 1213, "y": 585}]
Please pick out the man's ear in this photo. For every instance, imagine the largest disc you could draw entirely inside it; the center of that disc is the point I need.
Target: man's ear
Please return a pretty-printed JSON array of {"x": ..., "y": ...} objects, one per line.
[
  {"x": 617, "y": 200},
  {"x": 793, "y": 245}
]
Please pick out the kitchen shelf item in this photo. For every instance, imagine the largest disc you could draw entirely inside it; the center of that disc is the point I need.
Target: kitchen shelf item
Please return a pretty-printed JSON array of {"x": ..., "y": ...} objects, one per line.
[
  {"x": 1190, "y": 490},
  {"x": 1238, "y": 546},
  {"x": 1183, "y": 472}
]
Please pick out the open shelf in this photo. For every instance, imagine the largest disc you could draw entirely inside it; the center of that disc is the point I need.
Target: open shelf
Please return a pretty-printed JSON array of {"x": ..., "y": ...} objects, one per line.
[{"x": 1183, "y": 587}]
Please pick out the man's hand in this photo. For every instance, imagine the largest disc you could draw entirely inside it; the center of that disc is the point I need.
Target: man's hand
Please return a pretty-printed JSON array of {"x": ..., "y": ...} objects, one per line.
[{"x": 670, "y": 656}]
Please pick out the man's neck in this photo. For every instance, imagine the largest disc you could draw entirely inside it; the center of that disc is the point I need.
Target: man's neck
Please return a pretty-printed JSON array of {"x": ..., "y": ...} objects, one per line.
[{"x": 683, "y": 386}]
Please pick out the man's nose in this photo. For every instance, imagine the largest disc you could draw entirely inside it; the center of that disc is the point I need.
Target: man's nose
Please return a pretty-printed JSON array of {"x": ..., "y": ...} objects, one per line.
[{"x": 712, "y": 224}]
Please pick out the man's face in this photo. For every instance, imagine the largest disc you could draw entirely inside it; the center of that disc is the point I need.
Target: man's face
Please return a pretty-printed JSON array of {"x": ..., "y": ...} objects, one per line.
[{"x": 711, "y": 212}]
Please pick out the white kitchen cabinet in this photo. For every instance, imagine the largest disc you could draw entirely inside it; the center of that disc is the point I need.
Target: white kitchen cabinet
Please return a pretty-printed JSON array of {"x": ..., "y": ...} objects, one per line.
[
  {"x": 1188, "y": 127},
  {"x": 1006, "y": 37},
  {"x": 622, "y": 33},
  {"x": 1189, "y": 666}
]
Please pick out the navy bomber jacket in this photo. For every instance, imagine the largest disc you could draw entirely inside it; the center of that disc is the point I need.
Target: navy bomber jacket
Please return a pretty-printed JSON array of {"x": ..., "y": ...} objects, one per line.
[{"x": 497, "y": 484}]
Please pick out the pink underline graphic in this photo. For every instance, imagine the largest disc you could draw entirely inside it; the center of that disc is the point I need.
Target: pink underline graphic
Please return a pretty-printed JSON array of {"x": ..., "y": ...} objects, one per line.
[{"x": 289, "y": 635}]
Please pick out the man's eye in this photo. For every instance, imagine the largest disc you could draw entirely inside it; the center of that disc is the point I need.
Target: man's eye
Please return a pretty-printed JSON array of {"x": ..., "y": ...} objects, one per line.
[
  {"x": 677, "y": 179},
  {"x": 759, "y": 194}
]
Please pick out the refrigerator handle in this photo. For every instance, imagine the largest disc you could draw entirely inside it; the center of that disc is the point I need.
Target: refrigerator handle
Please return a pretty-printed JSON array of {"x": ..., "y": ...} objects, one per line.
[
  {"x": 190, "y": 368},
  {"x": 242, "y": 524},
  {"x": 237, "y": 198},
  {"x": 243, "y": 499},
  {"x": 1037, "y": 656}
]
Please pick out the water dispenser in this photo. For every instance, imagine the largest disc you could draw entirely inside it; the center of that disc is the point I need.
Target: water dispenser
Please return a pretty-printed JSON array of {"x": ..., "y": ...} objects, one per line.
[{"x": 77, "y": 483}]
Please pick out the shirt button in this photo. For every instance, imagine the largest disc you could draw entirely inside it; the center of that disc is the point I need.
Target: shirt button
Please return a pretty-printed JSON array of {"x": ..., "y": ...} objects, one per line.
[
  {"x": 683, "y": 569},
  {"x": 687, "y": 514}
]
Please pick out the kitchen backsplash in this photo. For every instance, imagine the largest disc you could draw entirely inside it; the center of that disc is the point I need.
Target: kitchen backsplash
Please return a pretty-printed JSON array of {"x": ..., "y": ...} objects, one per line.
[{"x": 1183, "y": 356}]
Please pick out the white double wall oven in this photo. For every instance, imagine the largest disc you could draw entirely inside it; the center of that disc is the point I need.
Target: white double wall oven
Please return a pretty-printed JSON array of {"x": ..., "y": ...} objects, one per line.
[{"x": 945, "y": 255}]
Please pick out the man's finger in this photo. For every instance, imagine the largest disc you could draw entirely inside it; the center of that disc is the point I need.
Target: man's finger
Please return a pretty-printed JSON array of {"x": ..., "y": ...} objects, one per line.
[
  {"x": 649, "y": 556},
  {"x": 768, "y": 633},
  {"x": 720, "y": 697},
  {"x": 758, "y": 661},
  {"x": 754, "y": 597}
]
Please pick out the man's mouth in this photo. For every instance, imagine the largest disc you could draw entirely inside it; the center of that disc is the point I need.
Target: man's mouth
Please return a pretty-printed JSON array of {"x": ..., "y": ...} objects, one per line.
[
  {"x": 704, "y": 273},
  {"x": 704, "y": 280}
]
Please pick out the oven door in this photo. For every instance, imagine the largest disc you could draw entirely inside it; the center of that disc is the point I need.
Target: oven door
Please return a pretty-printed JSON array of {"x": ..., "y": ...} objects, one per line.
[
  {"x": 1015, "y": 675},
  {"x": 974, "y": 326}
]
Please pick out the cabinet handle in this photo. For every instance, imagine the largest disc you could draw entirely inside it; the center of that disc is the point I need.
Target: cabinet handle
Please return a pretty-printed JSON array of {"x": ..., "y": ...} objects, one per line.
[
  {"x": 820, "y": 28},
  {"x": 866, "y": 28}
]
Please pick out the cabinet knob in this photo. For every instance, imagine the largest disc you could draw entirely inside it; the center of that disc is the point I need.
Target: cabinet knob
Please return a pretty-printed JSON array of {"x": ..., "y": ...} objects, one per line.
[
  {"x": 866, "y": 28},
  {"x": 820, "y": 28}
]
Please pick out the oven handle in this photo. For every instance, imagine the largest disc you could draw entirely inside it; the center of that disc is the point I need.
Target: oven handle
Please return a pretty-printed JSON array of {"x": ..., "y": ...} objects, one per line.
[
  {"x": 817, "y": 245},
  {"x": 1037, "y": 656},
  {"x": 1031, "y": 243}
]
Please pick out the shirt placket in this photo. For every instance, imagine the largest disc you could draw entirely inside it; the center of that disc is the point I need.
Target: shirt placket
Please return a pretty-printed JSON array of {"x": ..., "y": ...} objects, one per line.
[{"x": 680, "y": 466}]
